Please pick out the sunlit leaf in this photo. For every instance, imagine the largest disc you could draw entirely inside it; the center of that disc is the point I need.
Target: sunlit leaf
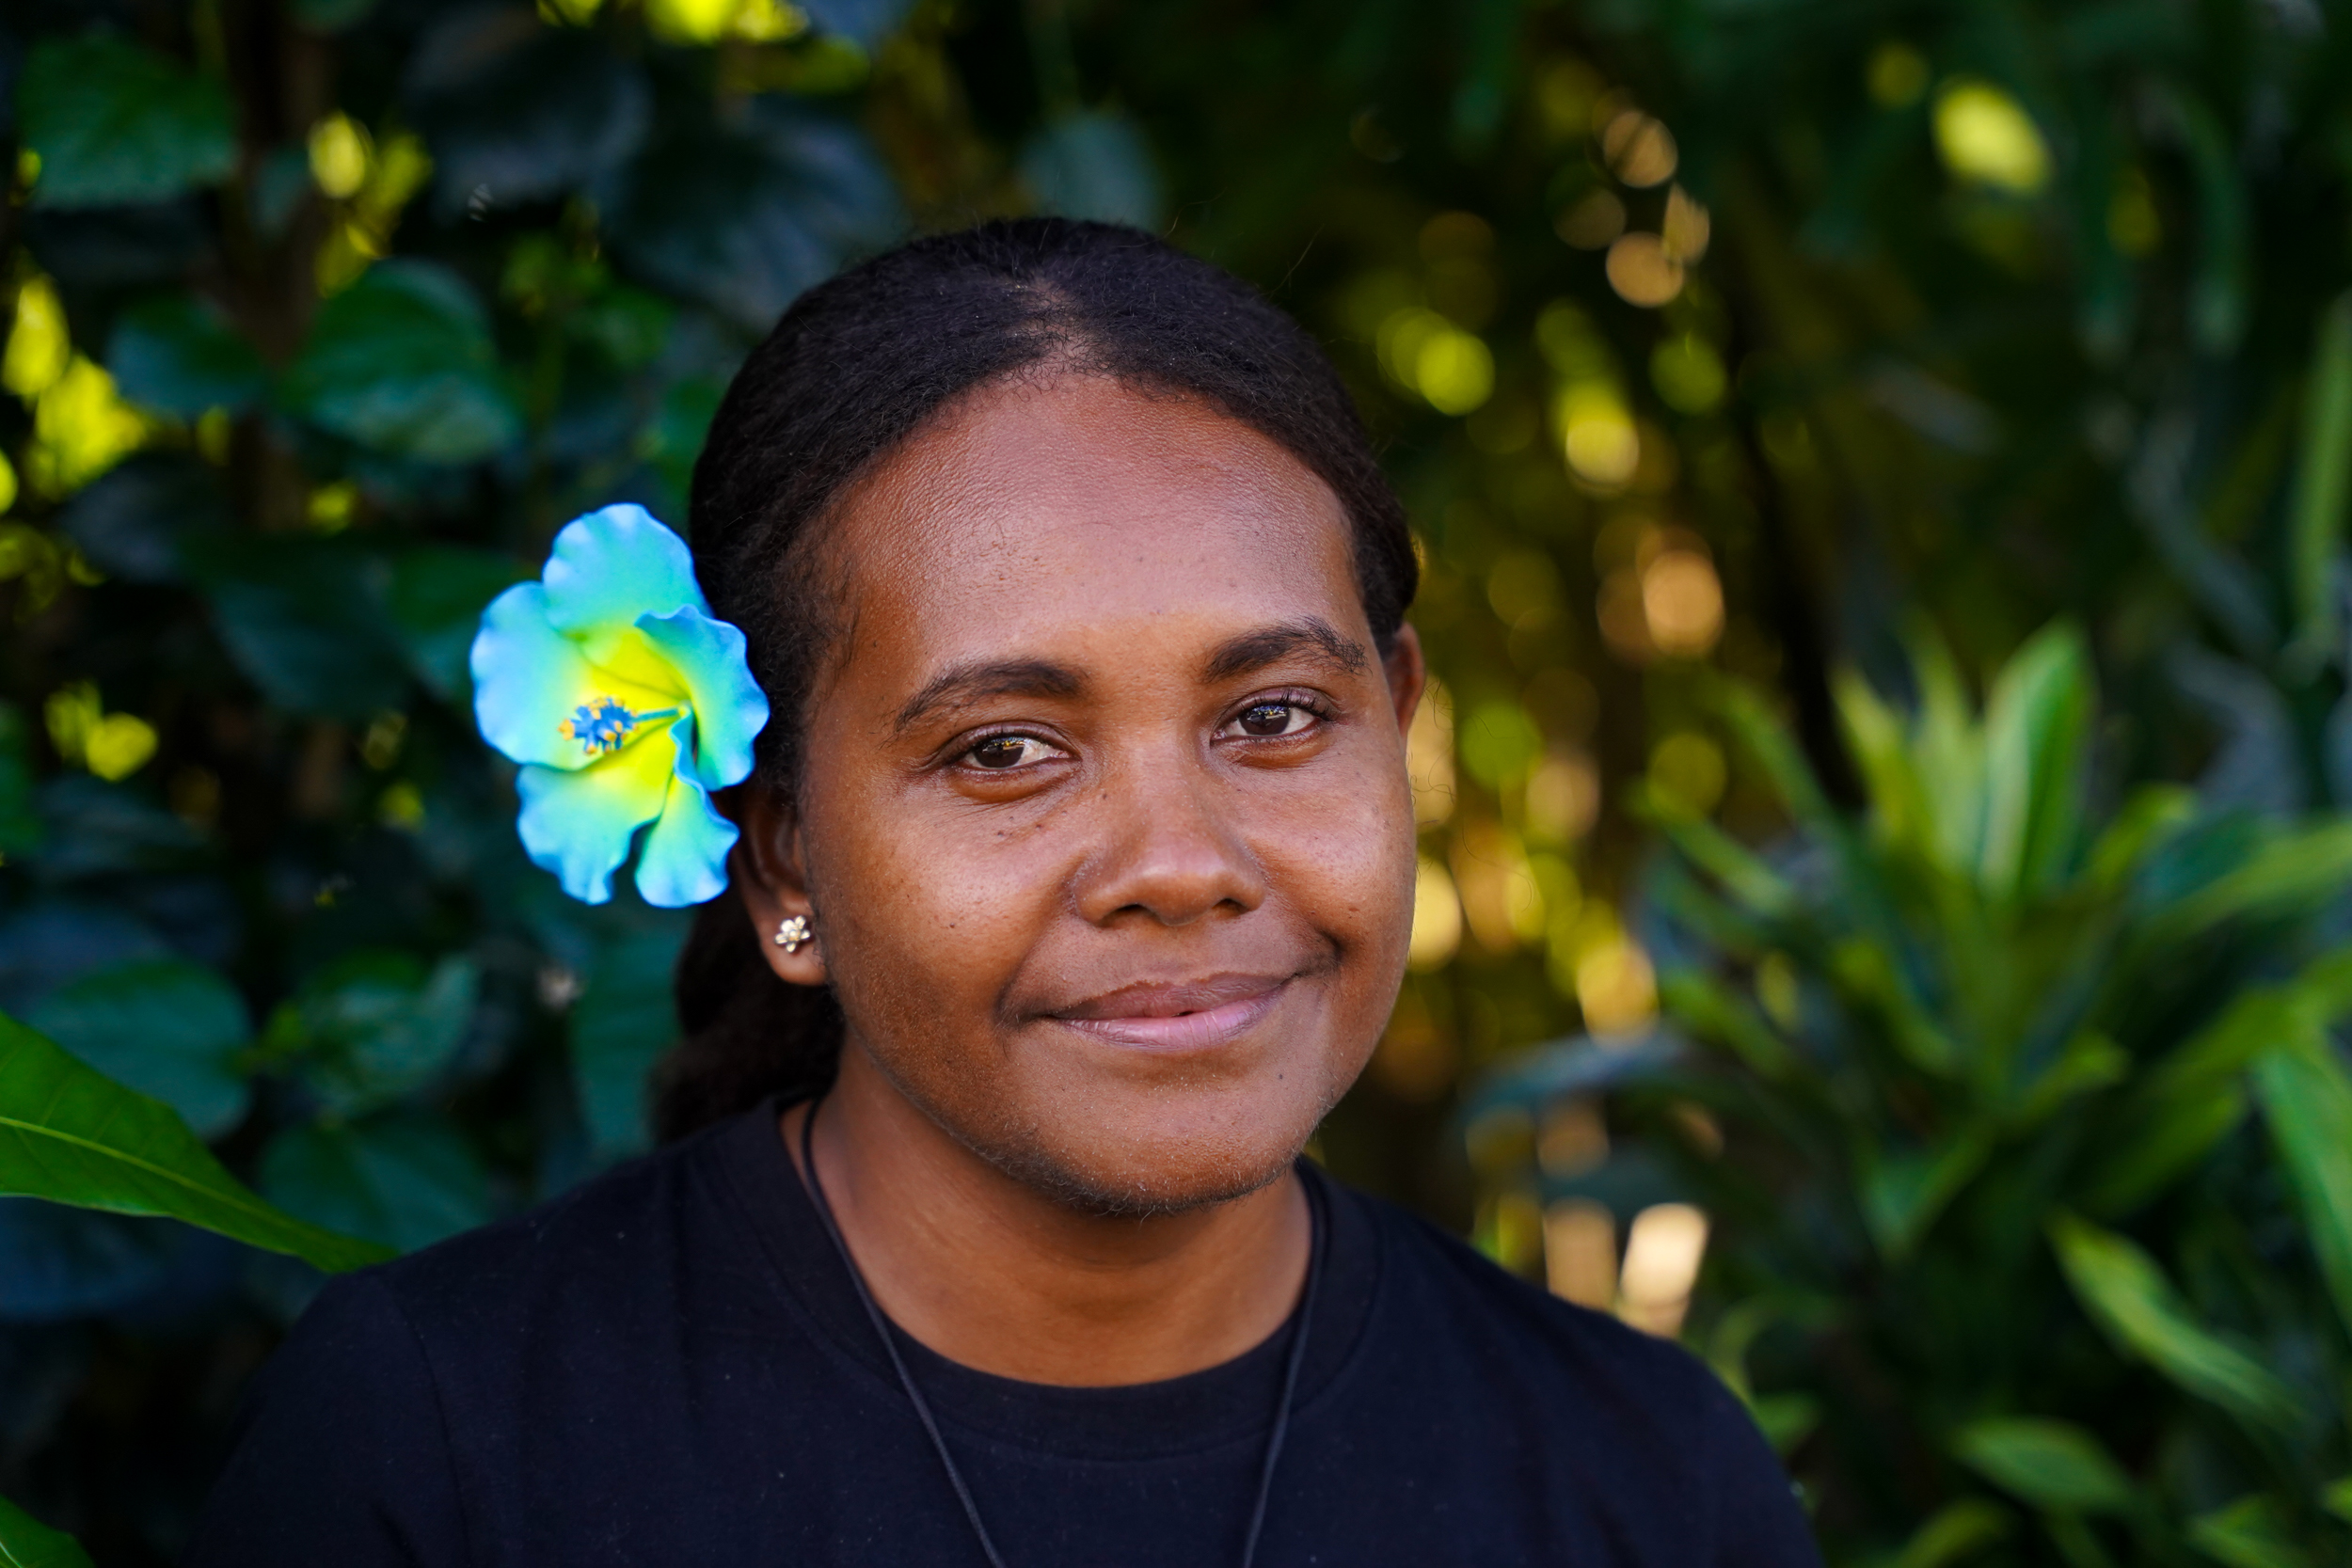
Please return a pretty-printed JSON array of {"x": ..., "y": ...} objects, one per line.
[
  {"x": 2035, "y": 726},
  {"x": 70, "y": 1134},
  {"x": 2049, "y": 1463},
  {"x": 2129, "y": 1298}
]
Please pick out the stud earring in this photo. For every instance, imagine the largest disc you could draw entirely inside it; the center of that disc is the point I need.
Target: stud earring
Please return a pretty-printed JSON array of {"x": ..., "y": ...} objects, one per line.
[{"x": 793, "y": 933}]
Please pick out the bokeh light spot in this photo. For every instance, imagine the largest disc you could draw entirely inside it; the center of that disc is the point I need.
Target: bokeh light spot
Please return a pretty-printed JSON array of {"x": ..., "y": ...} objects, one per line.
[
  {"x": 1987, "y": 138},
  {"x": 1641, "y": 270}
]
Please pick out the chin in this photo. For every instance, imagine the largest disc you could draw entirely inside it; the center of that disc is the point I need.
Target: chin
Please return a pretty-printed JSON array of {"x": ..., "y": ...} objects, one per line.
[{"x": 1151, "y": 1163}]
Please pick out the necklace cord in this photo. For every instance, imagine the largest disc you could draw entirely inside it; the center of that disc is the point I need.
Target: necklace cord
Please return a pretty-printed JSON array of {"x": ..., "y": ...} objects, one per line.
[{"x": 1294, "y": 1358}]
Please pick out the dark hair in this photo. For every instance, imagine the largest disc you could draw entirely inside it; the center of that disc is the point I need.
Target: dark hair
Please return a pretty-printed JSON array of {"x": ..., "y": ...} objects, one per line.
[{"x": 856, "y": 367}]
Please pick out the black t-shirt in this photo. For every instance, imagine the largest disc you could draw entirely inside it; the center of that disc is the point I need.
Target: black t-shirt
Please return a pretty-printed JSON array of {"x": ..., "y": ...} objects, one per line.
[{"x": 668, "y": 1366}]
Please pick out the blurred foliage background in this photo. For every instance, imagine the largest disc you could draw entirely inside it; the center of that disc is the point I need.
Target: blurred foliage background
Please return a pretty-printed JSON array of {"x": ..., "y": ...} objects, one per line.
[{"x": 1882, "y": 470}]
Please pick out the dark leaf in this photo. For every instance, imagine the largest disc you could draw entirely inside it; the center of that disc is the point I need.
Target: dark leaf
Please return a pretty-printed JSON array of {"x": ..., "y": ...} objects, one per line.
[
  {"x": 743, "y": 219},
  {"x": 26, "y": 1543},
  {"x": 519, "y": 111},
  {"x": 304, "y": 620},
  {"x": 181, "y": 355},
  {"x": 168, "y": 1028},
  {"x": 436, "y": 597},
  {"x": 70, "y": 1135},
  {"x": 401, "y": 363},
  {"x": 624, "y": 1019},
  {"x": 403, "y": 1179},
  {"x": 373, "y": 1026},
  {"x": 1094, "y": 165},
  {"x": 115, "y": 123},
  {"x": 137, "y": 521}
]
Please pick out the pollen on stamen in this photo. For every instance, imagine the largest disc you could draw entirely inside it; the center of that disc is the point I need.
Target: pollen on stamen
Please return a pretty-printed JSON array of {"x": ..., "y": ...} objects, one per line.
[{"x": 600, "y": 725}]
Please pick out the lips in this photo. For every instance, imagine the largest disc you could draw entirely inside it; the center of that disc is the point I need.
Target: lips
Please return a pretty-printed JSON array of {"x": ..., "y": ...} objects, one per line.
[{"x": 1197, "y": 1015}]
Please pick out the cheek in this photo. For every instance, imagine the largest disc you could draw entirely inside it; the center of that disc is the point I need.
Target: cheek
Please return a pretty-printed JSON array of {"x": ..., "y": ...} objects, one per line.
[{"x": 932, "y": 912}]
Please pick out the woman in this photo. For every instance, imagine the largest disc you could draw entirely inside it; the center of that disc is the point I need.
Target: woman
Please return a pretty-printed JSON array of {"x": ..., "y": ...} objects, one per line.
[{"x": 1072, "y": 889}]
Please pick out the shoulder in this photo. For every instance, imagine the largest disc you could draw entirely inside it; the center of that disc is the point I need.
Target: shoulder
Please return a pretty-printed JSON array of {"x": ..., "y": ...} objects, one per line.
[
  {"x": 1583, "y": 1364},
  {"x": 1608, "y": 1405}
]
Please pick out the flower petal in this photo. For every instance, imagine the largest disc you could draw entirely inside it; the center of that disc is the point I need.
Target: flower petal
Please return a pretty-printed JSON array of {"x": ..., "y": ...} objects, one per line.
[
  {"x": 530, "y": 679},
  {"x": 522, "y": 669},
  {"x": 609, "y": 567},
  {"x": 579, "y": 824},
  {"x": 685, "y": 859},
  {"x": 729, "y": 707}
]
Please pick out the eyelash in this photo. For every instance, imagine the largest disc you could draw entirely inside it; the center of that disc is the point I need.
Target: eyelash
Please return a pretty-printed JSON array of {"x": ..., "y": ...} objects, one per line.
[{"x": 1307, "y": 703}]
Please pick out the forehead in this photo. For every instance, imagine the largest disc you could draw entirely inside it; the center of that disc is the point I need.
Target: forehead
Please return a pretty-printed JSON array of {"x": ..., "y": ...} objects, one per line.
[{"x": 1078, "y": 505}]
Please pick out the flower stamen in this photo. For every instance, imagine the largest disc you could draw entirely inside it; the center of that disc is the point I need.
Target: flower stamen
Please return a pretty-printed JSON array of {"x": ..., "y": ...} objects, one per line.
[{"x": 603, "y": 725}]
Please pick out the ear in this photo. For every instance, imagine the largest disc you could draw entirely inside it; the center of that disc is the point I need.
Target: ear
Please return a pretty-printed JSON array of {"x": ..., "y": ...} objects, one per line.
[
  {"x": 768, "y": 873},
  {"x": 1407, "y": 675}
]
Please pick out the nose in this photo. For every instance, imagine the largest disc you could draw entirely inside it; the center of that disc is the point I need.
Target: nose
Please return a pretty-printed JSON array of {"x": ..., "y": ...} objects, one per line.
[{"x": 1170, "y": 851}]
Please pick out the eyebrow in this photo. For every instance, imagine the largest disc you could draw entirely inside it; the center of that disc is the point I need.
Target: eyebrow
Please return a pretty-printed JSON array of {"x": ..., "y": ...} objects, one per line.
[
  {"x": 966, "y": 684},
  {"x": 1255, "y": 650}
]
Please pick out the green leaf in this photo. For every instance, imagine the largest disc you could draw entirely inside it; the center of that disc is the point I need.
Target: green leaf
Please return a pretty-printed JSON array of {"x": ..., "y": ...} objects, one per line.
[
  {"x": 2089, "y": 1062},
  {"x": 2129, "y": 1298},
  {"x": 1094, "y": 165},
  {"x": 2337, "y": 1498},
  {"x": 26, "y": 1543},
  {"x": 405, "y": 1180},
  {"x": 115, "y": 123},
  {"x": 1712, "y": 1012},
  {"x": 19, "y": 816},
  {"x": 436, "y": 597},
  {"x": 2323, "y": 478},
  {"x": 2036, "y": 725},
  {"x": 2251, "y": 1533},
  {"x": 621, "y": 1024},
  {"x": 2307, "y": 1099},
  {"x": 180, "y": 354},
  {"x": 70, "y": 1135},
  {"x": 1745, "y": 876},
  {"x": 2050, "y": 1463},
  {"x": 402, "y": 362},
  {"x": 2147, "y": 819},
  {"x": 2295, "y": 870},
  {"x": 375, "y": 1025},
  {"x": 1902, "y": 1193},
  {"x": 1957, "y": 1532},
  {"x": 165, "y": 1027},
  {"x": 304, "y": 619},
  {"x": 1881, "y": 745}
]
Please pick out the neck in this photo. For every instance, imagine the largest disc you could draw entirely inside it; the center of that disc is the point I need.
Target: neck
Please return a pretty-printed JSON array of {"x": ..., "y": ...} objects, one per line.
[{"x": 993, "y": 1273}]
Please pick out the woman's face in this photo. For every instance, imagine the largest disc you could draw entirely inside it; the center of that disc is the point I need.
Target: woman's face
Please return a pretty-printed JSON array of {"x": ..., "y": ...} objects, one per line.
[{"x": 1104, "y": 818}]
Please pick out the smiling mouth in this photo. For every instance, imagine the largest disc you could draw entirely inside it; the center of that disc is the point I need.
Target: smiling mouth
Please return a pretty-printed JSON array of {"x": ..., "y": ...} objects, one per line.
[{"x": 1178, "y": 1018}]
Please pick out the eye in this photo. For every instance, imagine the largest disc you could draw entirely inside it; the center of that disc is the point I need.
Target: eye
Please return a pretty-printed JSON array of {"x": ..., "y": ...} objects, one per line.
[
  {"x": 1000, "y": 751},
  {"x": 1270, "y": 718}
]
